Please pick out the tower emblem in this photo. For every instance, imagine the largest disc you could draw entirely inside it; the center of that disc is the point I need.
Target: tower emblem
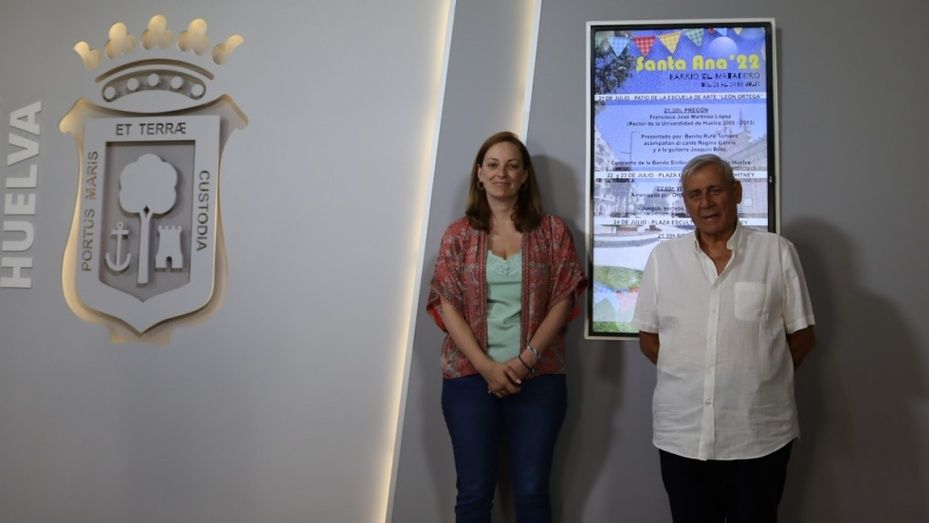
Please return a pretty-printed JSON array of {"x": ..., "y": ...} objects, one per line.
[{"x": 145, "y": 244}]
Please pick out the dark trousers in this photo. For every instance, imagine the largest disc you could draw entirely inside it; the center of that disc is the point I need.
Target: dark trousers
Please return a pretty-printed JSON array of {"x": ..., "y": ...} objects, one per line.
[
  {"x": 528, "y": 422},
  {"x": 737, "y": 491}
]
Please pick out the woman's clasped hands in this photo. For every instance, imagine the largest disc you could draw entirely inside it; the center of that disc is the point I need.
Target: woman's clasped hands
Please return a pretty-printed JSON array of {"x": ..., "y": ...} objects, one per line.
[{"x": 504, "y": 378}]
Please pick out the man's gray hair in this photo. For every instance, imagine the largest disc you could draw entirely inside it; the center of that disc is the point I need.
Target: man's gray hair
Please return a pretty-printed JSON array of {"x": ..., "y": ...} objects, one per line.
[{"x": 699, "y": 162}]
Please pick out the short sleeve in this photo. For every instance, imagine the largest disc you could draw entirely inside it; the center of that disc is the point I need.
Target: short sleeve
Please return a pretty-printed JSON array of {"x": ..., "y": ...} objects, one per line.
[
  {"x": 568, "y": 277},
  {"x": 798, "y": 309},
  {"x": 645, "y": 317},
  {"x": 446, "y": 280}
]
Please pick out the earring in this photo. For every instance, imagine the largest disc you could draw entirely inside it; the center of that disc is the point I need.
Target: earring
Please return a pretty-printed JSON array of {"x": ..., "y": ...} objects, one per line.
[{"x": 480, "y": 185}]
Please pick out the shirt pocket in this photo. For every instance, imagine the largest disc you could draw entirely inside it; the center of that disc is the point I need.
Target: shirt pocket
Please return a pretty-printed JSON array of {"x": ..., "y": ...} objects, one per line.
[{"x": 750, "y": 300}]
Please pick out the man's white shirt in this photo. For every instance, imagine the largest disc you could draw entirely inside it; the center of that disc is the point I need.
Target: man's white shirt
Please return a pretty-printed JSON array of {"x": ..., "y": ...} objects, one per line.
[{"x": 725, "y": 374}]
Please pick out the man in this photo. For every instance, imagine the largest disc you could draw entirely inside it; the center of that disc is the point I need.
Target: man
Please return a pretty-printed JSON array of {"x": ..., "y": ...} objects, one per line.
[{"x": 725, "y": 315}]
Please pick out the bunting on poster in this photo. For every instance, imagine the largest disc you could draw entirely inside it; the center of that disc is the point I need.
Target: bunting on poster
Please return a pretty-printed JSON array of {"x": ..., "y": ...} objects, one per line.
[
  {"x": 695, "y": 36},
  {"x": 644, "y": 44},
  {"x": 670, "y": 40},
  {"x": 619, "y": 44}
]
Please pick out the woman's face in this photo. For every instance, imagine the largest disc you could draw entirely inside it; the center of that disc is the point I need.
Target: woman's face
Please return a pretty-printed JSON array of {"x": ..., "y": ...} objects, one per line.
[{"x": 502, "y": 172}]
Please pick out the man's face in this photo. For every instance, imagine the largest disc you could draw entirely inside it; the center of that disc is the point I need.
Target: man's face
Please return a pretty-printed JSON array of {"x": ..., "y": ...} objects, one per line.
[{"x": 712, "y": 201}]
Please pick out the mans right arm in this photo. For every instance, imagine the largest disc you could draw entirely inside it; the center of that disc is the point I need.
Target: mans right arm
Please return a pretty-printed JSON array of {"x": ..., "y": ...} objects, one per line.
[
  {"x": 648, "y": 344},
  {"x": 801, "y": 343}
]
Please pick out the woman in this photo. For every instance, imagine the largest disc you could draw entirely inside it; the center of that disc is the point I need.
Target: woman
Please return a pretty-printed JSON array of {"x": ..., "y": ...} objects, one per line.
[{"x": 505, "y": 284}]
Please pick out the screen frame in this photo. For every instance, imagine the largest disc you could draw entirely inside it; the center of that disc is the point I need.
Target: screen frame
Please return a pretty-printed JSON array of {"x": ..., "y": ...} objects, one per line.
[{"x": 773, "y": 139}]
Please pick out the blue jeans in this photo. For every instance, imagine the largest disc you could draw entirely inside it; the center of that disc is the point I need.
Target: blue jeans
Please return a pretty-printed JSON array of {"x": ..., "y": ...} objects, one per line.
[{"x": 529, "y": 421}]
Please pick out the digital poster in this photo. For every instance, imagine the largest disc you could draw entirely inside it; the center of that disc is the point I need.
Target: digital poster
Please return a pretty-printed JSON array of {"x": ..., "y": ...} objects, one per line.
[{"x": 659, "y": 94}]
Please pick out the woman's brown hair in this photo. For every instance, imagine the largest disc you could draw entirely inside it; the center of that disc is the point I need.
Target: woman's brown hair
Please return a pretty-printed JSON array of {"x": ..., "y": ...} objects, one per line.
[{"x": 527, "y": 213}]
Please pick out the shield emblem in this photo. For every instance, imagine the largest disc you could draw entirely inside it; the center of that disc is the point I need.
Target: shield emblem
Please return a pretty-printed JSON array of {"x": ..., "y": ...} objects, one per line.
[{"x": 145, "y": 235}]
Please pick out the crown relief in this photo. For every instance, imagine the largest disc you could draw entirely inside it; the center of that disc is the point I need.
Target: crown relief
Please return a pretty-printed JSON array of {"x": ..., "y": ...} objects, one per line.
[
  {"x": 160, "y": 71},
  {"x": 157, "y": 34},
  {"x": 120, "y": 41}
]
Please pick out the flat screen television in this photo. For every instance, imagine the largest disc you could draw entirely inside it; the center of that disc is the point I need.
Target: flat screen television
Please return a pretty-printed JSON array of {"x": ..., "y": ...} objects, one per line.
[{"x": 658, "y": 94}]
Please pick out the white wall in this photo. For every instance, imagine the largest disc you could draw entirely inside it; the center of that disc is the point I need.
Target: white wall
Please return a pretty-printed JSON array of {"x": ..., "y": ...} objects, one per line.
[
  {"x": 281, "y": 405},
  {"x": 486, "y": 80},
  {"x": 853, "y": 122}
]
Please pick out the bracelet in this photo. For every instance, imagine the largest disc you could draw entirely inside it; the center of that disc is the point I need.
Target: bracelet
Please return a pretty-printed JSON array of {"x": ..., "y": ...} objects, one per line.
[
  {"x": 538, "y": 357},
  {"x": 521, "y": 360}
]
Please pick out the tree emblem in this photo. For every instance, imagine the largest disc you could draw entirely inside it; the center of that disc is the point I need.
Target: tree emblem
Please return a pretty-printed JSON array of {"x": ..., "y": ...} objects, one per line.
[{"x": 147, "y": 186}]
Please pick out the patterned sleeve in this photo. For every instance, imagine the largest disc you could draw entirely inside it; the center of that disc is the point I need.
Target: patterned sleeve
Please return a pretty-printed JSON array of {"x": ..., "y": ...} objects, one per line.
[
  {"x": 568, "y": 279},
  {"x": 446, "y": 281}
]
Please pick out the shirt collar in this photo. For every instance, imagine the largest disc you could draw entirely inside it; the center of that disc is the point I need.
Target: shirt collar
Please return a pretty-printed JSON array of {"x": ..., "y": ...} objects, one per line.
[
  {"x": 736, "y": 239},
  {"x": 732, "y": 243}
]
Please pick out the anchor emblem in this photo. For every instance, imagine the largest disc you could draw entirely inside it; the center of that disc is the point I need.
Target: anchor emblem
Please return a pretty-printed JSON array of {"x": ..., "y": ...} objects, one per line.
[{"x": 119, "y": 232}]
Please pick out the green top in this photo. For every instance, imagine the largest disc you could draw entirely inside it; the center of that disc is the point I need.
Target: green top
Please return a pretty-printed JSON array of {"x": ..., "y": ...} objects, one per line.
[{"x": 504, "y": 304}]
